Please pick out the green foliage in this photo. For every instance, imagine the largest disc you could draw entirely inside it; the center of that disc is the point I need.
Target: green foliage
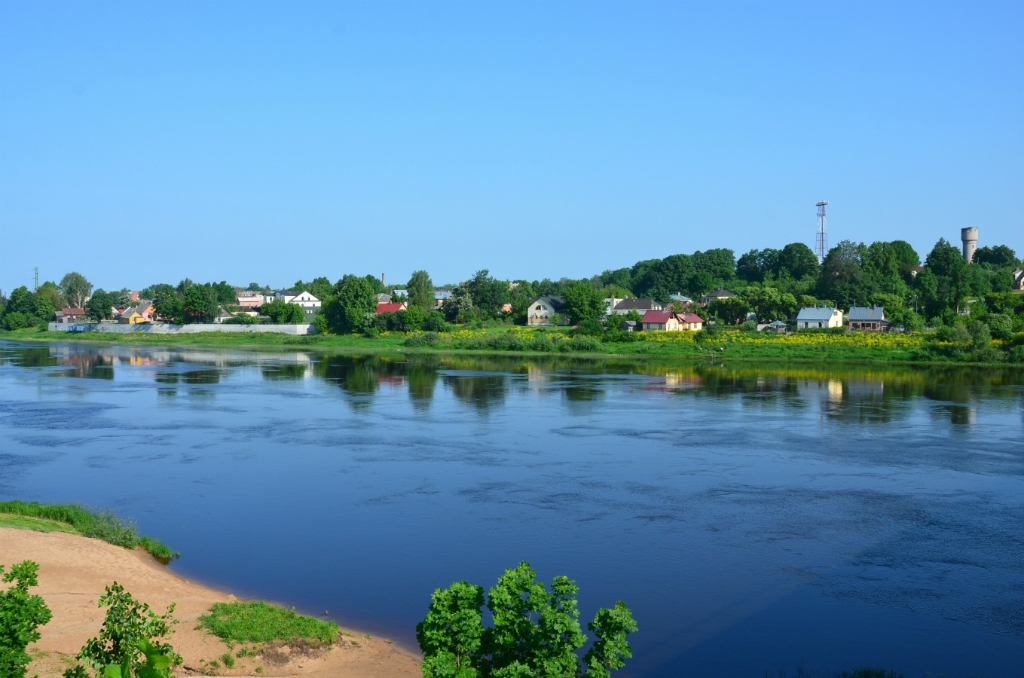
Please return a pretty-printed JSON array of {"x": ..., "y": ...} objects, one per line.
[
  {"x": 999, "y": 256},
  {"x": 731, "y": 310},
  {"x": 1000, "y": 325},
  {"x": 488, "y": 294},
  {"x": 101, "y": 525},
  {"x": 583, "y": 302},
  {"x": 767, "y": 302},
  {"x": 435, "y": 322},
  {"x": 590, "y": 327},
  {"x": 320, "y": 324},
  {"x": 130, "y": 628},
  {"x": 282, "y": 313},
  {"x": 353, "y": 301},
  {"x": 75, "y": 288},
  {"x": 421, "y": 290},
  {"x": 459, "y": 306},
  {"x": 21, "y": 614},
  {"x": 535, "y": 631},
  {"x": 156, "y": 665},
  {"x": 16, "y": 321},
  {"x": 260, "y": 622},
  {"x": 99, "y": 306}
]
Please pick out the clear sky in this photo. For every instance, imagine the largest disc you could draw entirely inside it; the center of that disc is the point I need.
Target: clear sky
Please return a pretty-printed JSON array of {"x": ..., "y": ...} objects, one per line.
[{"x": 146, "y": 142}]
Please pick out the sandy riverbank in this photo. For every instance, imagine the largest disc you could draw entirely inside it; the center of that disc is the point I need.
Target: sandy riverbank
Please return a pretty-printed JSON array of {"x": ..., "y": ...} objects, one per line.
[{"x": 74, "y": 570}]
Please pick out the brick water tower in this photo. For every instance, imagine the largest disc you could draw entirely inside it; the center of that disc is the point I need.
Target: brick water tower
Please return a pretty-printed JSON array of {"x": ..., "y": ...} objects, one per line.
[{"x": 969, "y": 236}]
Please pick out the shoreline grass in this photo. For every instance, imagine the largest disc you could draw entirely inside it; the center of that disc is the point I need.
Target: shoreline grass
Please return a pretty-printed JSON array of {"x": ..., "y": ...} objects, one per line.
[
  {"x": 853, "y": 348},
  {"x": 102, "y": 525},
  {"x": 261, "y": 622}
]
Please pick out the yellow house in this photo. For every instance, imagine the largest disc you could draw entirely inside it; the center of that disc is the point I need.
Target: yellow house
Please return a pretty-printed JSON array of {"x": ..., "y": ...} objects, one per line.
[{"x": 130, "y": 316}]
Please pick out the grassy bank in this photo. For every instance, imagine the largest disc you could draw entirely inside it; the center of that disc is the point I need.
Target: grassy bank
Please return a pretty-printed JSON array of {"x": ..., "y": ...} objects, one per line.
[
  {"x": 260, "y": 622},
  {"x": 920, "y": 348},
  {"x": 100, "y": 525}
]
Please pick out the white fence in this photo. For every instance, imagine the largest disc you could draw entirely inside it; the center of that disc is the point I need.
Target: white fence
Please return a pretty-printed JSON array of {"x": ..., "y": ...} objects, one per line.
[{"x": 165, "y": 328}]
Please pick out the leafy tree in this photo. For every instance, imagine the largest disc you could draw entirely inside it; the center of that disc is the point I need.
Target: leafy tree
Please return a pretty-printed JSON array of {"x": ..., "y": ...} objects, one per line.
[
  {"x": 16, "y": 321},
  {"x": 621, "y": 278},
  {"x": 411, "y": 319},
  {"x": 583, "y": 302},
  {"x": 49, "y": 293},
  {"x": 128, "y": 623},
  {"x": 75, "y": 288},
  {"x": 199, "y": 304},
  {"x": 798, "y": 261},
  {"x": 842, "y": 275},
  {"x": 535, "y": 631},
  {"x": 421, "y": 290},
  {"x": 352, "y": 302},
  {"x": 720, "y": 264},
  {"x": 731, "y": 310},
  {"x": 99, "y": 306},
  {"x": 321, "y": 288},
  {"x": 488, "y": 294},
  {"x": 320, "y": 324},
  {"x": 169, "y": 304},
  {"x": 459, "y": 306},
  {"x": 756, "y": 264},
  {"x": 21, "y": 614},
  {"x": 769, "y": 303},
  {"x": 21, "y": 301},
  {"x": 224, "y": 293},
  {"x": 154, "y": 291},
  {"x": 999, "y": 256},
  {"x": 375, "y": 284},
  {"x": 435, "y": 322},
  {"x": 282, "y": 313}
]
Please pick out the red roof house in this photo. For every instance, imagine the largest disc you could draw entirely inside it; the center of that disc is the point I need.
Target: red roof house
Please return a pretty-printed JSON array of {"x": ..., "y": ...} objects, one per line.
[{"x": 390, "y": 308}]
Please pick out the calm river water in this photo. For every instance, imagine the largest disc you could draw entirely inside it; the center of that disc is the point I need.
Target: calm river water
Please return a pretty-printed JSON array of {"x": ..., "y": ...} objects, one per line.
[{"x": 755, "y": 519}]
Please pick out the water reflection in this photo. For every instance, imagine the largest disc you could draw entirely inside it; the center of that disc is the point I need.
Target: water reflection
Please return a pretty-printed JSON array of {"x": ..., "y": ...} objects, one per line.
[{"x": 856, "y": 395}]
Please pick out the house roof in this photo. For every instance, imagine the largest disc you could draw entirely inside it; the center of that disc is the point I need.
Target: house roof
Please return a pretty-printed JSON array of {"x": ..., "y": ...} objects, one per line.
[
  {"x": 635, "y": 304},
  {"x": 776, "y": 323},
  {"x": 680, "y": 297},
  {"x": 690, "y": 318},
  {"x": 128, "y": 312},
  {"x": 657, "y": 316},
  {"x": 815, "y": 313},
  {"x": 719, "y": 294},
  {"x": 555, "y": 300},
  {"x": 861, "y": 313},
  {"x": 389, "y": 308},
  {"x": 442, "y": 294},
  {"x": 73, "y": 311}
]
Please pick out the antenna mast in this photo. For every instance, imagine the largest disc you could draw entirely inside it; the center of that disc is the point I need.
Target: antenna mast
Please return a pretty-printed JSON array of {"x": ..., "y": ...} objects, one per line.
[
  {"x": 821, "y": 240},
  {"x": 35, "y": 287}
]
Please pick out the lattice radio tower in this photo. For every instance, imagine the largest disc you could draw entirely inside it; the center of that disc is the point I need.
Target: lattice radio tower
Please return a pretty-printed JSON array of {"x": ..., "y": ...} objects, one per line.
[{"x": 821, "y": 240}]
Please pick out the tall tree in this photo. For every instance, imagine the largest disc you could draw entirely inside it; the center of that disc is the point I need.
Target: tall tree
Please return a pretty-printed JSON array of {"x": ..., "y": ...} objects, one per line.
[
  {"x": 99, "y": 306},
  {"x": 421, "y": 290},
  {"x": 352, "y": 302},
  {"x": 489, "y": 295},
  {"x": 75, "y": 289},
  {"x": 583, "y": 302}
]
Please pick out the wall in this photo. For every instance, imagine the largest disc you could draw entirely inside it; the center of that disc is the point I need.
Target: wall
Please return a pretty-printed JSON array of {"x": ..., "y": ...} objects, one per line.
[{"x": 163, "y": 328}]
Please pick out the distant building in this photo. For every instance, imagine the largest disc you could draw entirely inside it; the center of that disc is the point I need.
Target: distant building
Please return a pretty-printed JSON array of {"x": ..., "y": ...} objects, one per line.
[
  {"x": 391, "y": 307},
  {"x": 641, "y": 306},
  {"x": 868, "y": 319},
  {"x": 383, "y": 298},
  {"x": 681, "y": 298},
  {"x": 1018, "y": 279},
  {"x": 440, "y": 296},
  {"x": 661, "y": 321},
  {"x": 775, "y": 327},
  {"x": 250, "y": 299},
  {"x": 147, "y": 310},
  {"x": 70, "y": 316},
  {"x": 543, "y": 309},
  {"x": 310, "y": 304},
  {"x": 818, "y": 317},
  {"x": 399, "y": 294},
  {"x": 631, "y": 326},
  {"x": 609, "y": 305},
  {"x": 714, "y": 296},
  {"x": 690, "y": 321},
  {"x": 130, "y": 316}
]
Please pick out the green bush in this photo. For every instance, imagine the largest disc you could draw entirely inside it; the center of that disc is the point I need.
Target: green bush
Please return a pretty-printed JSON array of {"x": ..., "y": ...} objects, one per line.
[
  {"x": 260, "y": 622},
  {"x": 21, "y": 614},
  {"x": 16, "y": 321},
  {"x": 435, "y": 322},
  {"x": 425, "y": 339}
]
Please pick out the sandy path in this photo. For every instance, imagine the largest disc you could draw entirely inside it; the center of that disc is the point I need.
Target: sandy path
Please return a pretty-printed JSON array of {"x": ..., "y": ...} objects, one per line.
[{"x": 74, "y": 570}]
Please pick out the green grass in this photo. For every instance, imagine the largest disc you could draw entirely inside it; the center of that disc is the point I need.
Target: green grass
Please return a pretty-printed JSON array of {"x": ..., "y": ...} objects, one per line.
[
  {"x": 101, "y": 525},
  {"x": 259, "y": 622}
]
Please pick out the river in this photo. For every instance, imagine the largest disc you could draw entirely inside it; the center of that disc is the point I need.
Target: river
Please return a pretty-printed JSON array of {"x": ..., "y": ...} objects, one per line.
[{"x": 758, "y": 520}]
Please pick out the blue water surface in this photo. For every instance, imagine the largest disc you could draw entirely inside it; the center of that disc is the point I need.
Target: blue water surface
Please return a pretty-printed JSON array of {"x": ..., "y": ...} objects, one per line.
[{"x": 758, "y": 520}]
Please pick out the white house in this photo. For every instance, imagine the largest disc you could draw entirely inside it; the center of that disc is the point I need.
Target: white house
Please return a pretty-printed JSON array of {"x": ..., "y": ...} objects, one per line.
[
  {"x": 542, "y": 309},
  {"x": 310, "y": 304},
  {"x": 818, "y": 317},
  {"x": 1018, "y": 279}
]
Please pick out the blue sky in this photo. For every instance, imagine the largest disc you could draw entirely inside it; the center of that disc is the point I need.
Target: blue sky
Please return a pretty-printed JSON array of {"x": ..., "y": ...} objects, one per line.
[{"x": 272, "y": 141}]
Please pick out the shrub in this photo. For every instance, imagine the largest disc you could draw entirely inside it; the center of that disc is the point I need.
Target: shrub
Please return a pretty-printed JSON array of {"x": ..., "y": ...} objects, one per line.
[
  {"x": 435, "y": 322},
  {"x": 535, "y": 631},
  {"x": 425, "y": 339},
  {"x": 259, "y": 622},
  {"x": 129, "y": 626},
  {"x": 16, "y": 321},
  {"x": 590, "y": 328},
  {"x": 21, "y": 615},
  {"x": 1000, "y": 326},
  {"x": 320, "y": 323}
]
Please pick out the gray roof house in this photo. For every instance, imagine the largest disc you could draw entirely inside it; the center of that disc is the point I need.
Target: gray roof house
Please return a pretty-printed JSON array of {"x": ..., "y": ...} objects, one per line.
[
  {"x": 641, "y": 306},
  {"x": 1018, "y": 279},
  {"x": 818, "y": 317},
  {"x": 717, "y": 294},
  {"x": 871, "y": 319}
]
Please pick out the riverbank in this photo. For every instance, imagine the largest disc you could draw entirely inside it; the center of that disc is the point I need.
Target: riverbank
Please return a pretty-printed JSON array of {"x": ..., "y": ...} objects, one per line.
[
  {"x": 73, "y": 571},
  {"x": 730, "y": 344}
]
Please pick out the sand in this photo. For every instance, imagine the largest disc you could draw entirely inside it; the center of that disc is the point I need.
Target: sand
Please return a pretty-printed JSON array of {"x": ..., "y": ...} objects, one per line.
[{"x": 73, "y": 571}]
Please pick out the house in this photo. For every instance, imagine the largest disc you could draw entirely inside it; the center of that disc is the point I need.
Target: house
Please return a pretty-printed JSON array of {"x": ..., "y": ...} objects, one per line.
[
  {"x": 147, "y": 310},
  {"x": 690, "y": 321},
  {"x": 609, "y": 305},
  {"x": 506, "y": 308},
  {"x": 681, "y": 298},
  {"x": 661, "y": 321},
  {"x": 69, "y": 316},
  {"x": 310, "y": 304},
  {"x": 250, "y": 299},
  {"x": 130, "y": 316},
  {"x": 716, "y": 295},
  {"x": 818, "y": 317},
  {"x": 631, "y": 326},
  {"x": 222, "y": 316},
  {"x": 868, "y": 319},
  {"x": 543, "y": 309},
  {"x": 440, "y": 296},
  {"x": 1018, "y": 279},
  {"x": 391, "y": 307},
  {"x": 400, "y": 294},
  {"x": 775, "y": 327},
  {"x": 382, "y": 298},
  {"x": 641, "y": 306}
]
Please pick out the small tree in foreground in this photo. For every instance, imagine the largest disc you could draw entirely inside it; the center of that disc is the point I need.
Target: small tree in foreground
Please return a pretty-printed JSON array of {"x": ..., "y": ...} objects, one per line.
[
  {"x": 536, "y": 632},
  {"x": 21, "y": 614},
  {"x": 129, "y": 638}
]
